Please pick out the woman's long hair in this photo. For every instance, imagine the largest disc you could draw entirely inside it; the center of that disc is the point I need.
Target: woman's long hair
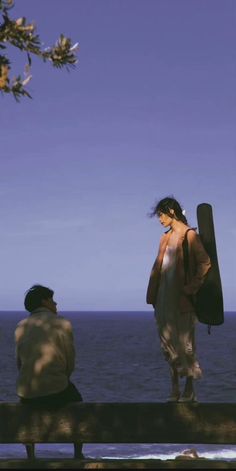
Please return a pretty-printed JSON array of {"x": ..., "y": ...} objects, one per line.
[{"x": 166, "y": 205}]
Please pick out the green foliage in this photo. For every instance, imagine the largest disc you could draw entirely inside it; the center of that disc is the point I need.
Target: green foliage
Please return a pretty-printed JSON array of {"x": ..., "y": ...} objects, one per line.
[{"x": 21, "y": 34}]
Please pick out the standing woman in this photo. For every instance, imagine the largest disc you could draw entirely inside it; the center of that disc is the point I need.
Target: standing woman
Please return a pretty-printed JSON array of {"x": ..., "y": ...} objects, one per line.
[{"x": 171, "y": 294}]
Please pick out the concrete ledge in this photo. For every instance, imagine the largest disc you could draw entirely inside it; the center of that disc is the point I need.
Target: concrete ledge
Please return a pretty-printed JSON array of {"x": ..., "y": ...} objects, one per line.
[
  {"x": 199, "y": 463},
  {"x": 186, "y": 423},
  {"x": 120, "y": 423}
]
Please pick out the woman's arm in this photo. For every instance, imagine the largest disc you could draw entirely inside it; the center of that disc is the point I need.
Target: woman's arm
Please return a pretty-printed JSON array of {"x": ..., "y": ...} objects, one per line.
[{"x": 155, "y": 272}]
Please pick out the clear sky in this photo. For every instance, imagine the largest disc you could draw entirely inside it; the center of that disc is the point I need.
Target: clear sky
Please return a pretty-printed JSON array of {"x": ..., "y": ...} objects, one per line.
[{"x": 149, "y": 111}]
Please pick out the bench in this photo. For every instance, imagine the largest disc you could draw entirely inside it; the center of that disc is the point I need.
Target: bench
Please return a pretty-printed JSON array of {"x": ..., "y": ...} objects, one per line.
[{"x": 187, "y": 423}]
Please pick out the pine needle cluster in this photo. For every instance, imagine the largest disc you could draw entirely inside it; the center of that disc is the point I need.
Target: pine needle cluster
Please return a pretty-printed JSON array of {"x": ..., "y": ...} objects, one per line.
[{"x": 22, "y": 35}]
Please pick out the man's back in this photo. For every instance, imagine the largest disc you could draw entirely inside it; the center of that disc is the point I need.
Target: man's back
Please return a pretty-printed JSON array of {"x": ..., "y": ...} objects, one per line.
[{"x": 45, "y": 353}]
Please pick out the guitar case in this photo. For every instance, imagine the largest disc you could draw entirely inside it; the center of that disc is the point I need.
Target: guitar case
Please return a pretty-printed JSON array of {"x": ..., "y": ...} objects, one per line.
[{"x": 209, "y": 299}]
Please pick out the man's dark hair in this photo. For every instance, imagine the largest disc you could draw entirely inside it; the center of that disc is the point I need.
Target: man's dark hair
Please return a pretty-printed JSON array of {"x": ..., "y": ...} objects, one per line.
[{"x": 35, "y": 295}]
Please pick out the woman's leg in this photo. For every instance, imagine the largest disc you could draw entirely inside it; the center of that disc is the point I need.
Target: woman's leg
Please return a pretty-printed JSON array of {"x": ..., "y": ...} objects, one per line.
[
  {"x": 189, "y": 389},
  {"x": 174, "y": 384},
  {"x": 188, "y": 394}
]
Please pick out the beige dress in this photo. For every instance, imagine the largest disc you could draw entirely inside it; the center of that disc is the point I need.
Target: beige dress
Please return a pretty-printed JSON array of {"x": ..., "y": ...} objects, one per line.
[{"x": 176, "y": 329}]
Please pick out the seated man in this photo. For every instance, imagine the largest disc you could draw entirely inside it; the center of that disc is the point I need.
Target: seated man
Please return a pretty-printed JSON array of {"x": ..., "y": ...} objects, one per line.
[{"x": 45, "y": 356}]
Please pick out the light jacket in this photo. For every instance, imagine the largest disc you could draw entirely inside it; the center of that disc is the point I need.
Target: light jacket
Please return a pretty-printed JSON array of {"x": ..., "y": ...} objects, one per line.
[
  {"x": 45, "y": 353},
  {"x": 199, "y": 264}
]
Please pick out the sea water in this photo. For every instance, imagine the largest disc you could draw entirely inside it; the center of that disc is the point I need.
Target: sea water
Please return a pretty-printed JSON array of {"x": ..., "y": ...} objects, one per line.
[{"x": 118, "y": 359}]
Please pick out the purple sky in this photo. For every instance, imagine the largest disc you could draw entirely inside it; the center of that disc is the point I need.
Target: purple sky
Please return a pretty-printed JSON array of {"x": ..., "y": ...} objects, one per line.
[{"x": 149, "y": 111}]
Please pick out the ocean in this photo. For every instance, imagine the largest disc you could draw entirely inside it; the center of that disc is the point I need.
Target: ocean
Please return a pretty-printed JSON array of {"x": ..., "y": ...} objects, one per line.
[{"x": 119, "y": 360}]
